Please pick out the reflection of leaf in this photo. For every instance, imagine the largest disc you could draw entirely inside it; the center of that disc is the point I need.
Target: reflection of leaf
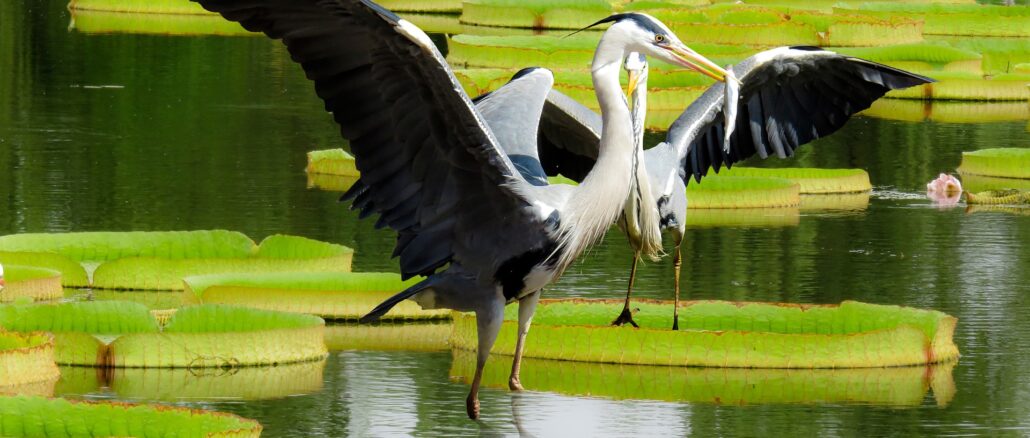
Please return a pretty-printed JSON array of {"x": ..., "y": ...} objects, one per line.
[
  {"x": 331, "y": 295},
  {"x": 948, "y": 111},
  {"x": 728, "y": 334},
  {"x": 743, "y": 217},
  {"x": 835, "y": 201},
  {"x": 894, "y": 386},
  {"x": 388, "y": 337},
  {"x": 182, "y": 384},
  {"x": 38, "y": 416},
  {"x": 331, "y": 162}
]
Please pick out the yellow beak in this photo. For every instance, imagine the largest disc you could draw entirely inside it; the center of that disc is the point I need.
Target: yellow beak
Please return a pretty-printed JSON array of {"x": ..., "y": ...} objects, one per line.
[
  {"x": 695, "y": 61},
  {"x": 633, "y": 78}
]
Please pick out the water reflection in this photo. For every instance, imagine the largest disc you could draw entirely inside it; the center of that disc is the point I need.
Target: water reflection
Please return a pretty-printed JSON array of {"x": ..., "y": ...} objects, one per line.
[
  {"x": 181, "y": 384},
  {"x": 896, "y": 386}
]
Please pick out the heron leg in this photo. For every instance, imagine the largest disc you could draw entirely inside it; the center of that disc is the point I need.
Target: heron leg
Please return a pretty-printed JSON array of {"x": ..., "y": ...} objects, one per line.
[
  {"x": 488, "y": 324},
  {"x": 626, "y": 316},
  {"x": 527, "y": 306},
  {"x": 676, "y": 262}
]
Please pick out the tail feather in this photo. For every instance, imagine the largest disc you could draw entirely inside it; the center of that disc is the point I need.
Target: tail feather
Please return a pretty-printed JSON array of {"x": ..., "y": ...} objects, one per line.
[{"x": 385, "y": 306}]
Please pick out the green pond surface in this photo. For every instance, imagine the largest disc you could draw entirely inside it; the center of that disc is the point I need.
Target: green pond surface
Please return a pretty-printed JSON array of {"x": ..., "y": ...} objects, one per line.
[{"x": 136, "y": 132}]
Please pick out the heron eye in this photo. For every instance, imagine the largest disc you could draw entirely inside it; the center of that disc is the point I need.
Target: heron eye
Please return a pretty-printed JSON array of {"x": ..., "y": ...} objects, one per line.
[{"x": 659, "y": 38}]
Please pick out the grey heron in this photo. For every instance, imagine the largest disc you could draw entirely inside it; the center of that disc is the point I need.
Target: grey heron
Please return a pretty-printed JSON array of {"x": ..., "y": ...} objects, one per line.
[
  {"x": 481, "y": 233},
  {"x": 787, "y": 97}
]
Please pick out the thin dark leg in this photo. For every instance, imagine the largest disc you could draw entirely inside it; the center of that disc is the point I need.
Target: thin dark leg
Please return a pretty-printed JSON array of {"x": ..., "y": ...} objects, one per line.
[
  {"x": 626, "y": 316},
  {"x": 527, "y": 306},
  {"x": 676, "y": 262}
]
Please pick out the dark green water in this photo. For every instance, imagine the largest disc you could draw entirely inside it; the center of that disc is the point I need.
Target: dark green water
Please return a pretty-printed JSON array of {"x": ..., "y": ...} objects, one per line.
[{"x": 210, "y": 132}]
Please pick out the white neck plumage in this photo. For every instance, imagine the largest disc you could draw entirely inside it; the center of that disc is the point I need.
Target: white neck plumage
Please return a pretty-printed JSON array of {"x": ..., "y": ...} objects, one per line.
[{"x": 598, "y": 200}]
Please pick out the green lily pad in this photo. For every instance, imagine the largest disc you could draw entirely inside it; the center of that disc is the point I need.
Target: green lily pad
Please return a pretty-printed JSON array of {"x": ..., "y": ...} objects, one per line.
[
  {"x": 420, "y": 336},
  {"x": 38, "y": 416},
  {"x": 729, "y": 334},
  {"x": 997, "y": 162},
  {"x": 333, "y": 295},
  {"x": 36, "y": 284},
  {"x": 125, "y": 334},
  {"x": 811, "y": 181},
  {"x": 26, "y": 358},
  {"x": 717, "y": 191},
  {"x": 107, "y": 22}
]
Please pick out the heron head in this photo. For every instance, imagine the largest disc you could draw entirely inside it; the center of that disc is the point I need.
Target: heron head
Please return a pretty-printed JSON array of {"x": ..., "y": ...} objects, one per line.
[{"x": 646, "y": 35}]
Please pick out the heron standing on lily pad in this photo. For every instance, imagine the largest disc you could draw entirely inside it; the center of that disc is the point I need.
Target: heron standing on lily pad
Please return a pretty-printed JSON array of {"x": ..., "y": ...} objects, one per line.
[{"x": 467, "y": 219}]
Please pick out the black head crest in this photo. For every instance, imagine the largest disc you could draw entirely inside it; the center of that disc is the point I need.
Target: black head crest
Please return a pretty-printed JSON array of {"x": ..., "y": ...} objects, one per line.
[{"x": 642, "y": 20}]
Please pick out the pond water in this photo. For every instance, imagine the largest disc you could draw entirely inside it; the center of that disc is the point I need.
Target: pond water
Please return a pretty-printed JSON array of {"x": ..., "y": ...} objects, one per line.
[{"x": 137, "y": 132}]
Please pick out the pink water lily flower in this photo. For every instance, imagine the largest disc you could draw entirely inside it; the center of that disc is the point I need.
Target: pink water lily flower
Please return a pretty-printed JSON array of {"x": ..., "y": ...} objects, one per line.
[{"x": 945, "y": 190}]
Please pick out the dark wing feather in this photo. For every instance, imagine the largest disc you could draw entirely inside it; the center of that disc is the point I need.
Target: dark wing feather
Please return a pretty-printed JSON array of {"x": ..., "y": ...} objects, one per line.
[
  {"x": 569, "y": 137},
  {"x": 789, "y": 97},
  {"x": 429, "y": 167}
]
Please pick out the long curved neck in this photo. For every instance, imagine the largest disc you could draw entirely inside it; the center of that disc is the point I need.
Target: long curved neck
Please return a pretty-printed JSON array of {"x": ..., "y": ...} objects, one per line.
[{"x": 598, "y": 200}]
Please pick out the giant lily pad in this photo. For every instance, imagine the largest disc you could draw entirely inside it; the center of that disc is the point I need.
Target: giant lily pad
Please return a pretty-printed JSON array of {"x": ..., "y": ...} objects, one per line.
[
  {"x": 999, "y": 197},
  {"x": 997, "y": 162},
  {"x": 72, "y": 273},
  {"x": 331, "y": 295},
  {"x": 38, "y": 416},
  {"x": 811, "y": 181},
  {"x": 537, "y": 14},
  {"x": 140, "y": 6},
  {"x": 124, "y": 334},
  {"x": 26, "y": 359},
  {"x": 948, "y": 111},
  {"x": 717, "y": 191},
  {"x": 958, "y": 85},
  {"x": 106, "y": 22},
  {"x": 423, "y": 336},
  {"x": 37, "y": 284},
  {"x": 965, "y": 19},
  {"x": 159, "y": 260},
  {"x": 894, "y": 386},
  {"x": 729, "y": 334}
]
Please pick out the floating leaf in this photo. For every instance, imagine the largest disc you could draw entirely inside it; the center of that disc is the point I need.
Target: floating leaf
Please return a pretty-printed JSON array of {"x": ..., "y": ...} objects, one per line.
[
  {"x": 123, "y": 334},
  {"x": 980, "y": 183},
  {"x": 811, "y": 181},
  {"x": 997, "y": 162},
  {"x": 276, "y": 253},
  {"x": 106, "y": 246},
  {"x": 107, "y": 22},
  {"x": 333, "y": 295},
  {"x": 717, "y": 191},
  {"x": 38, "y": 416},
  {"x": 436, "y": 6},
  {"x": 36, "y": 284},
  {"x": 999, "y": 197},
  {"x": 26, "y": 359},
  {"x": 537, "y": 14},
  {"x": 427, "y": 336},
  {"x": 895, "y": 386},
  {"x": 967, "y": 19},
  {"x": 72, "y": 273},
  {"x": 728, "y": 334},
  {"x": 957, "y": 85},
  {"x": 331, "y": 162},
  {"x": 222, "y": 336}
]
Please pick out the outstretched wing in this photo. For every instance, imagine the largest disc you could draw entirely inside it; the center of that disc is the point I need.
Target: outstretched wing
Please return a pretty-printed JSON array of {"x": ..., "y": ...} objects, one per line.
[
  {"x": 429, "y": 166},
  {"x": 569, "y": 137},
  {"x": 789, "y": 97}
]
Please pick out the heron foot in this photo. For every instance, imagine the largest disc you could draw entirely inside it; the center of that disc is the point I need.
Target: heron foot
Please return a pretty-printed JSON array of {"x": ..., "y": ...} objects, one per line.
[
  {"x": 625, "y": 317},
  {"x": 472, "y": 406},
  {"x": 515, "y": 385}
]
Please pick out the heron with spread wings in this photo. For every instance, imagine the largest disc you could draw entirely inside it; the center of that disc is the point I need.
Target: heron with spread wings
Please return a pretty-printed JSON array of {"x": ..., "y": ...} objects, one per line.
[
  {"x": 481, "y": 225},
  {"x": 786, "y": 97}
]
